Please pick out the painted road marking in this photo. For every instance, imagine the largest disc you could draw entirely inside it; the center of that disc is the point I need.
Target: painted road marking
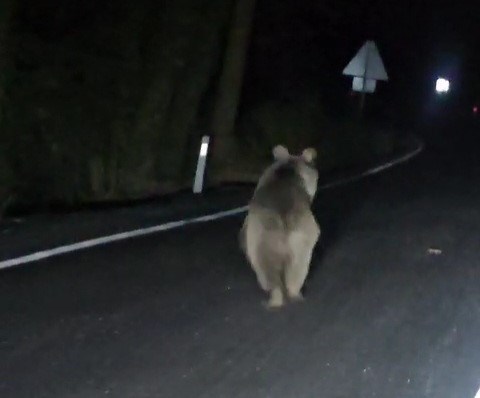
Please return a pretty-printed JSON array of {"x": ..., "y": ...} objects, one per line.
[{"x": 86, "y": 244}]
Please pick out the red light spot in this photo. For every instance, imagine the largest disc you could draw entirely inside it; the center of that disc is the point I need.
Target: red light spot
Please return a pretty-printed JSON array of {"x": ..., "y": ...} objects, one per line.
[{"x": 475, "y": 109}]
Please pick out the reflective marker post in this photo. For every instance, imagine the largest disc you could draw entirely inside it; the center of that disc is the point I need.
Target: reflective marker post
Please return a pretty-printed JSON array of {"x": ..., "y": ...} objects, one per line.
[{"x": 201, "y": 164}]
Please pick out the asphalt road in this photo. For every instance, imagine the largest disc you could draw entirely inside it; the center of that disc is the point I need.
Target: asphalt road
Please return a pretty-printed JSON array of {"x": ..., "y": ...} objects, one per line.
[{"x": 179, "y": 314}]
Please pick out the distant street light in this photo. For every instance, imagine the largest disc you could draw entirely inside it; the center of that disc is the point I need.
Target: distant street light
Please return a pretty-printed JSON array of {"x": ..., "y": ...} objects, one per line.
[{"x": 442, "y": 86}]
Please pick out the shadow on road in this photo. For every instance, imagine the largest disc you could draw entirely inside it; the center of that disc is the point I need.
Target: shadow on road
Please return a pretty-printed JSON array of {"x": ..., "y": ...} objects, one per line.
[{"x": 334, "y": 209}]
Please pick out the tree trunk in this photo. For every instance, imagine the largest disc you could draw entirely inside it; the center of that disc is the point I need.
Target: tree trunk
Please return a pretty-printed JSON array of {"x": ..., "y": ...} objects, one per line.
[
  {"x": 230, "y": 83},
  {"x": 189, "y": 46}
]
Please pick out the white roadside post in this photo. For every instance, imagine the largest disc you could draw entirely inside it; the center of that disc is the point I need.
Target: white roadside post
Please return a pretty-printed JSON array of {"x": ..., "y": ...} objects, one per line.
[
  {"x": 366, "y": 67},
  {"x": 201, "y": 164}
]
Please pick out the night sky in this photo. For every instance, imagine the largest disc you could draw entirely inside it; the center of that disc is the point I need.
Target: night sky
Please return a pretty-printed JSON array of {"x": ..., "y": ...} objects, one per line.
[{"x": 304, "y": 45}]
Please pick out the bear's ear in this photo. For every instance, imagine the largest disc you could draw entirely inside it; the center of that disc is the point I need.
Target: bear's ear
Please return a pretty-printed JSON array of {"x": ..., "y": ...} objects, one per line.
[
  {"x": 309, "y": 154},
  {"x": 280, "y": 152}
]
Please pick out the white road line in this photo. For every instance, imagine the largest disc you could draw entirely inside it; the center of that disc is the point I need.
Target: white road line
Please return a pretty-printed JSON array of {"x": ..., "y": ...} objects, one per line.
[
  {"x": 44, "y": 254},
  {"x": 378, "y": 169},
  {"x": 116, "y": 237}
]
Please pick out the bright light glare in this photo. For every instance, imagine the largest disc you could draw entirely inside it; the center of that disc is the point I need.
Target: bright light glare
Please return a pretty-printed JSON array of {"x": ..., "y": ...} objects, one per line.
[
  {"x": 204, "y": 149},
  {"x": 478, "y": 394},
  {"x": 442, "y": 85}
]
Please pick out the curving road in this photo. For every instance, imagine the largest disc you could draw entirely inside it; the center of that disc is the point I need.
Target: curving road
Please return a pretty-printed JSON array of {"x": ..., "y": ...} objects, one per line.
[{"x": 392, "y": 304}]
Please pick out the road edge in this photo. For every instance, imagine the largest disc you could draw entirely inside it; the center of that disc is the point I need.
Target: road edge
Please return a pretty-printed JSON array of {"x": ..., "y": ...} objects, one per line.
[{"x": 89, "y": 243}]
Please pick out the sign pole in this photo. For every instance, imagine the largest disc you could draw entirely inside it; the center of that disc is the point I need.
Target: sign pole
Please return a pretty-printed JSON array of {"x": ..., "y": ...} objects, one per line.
[
  {"x": 362, "y": 102},
  {"x": 364, "y": 82}
]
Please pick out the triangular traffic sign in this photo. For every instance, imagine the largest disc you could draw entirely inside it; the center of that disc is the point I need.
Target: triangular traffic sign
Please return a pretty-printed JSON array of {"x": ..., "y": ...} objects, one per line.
[{"x": 367, "y": 64}]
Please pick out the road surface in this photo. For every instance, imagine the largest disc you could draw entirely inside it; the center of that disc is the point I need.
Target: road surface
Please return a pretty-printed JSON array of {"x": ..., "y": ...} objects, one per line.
[{"x": 392, "y": 305}]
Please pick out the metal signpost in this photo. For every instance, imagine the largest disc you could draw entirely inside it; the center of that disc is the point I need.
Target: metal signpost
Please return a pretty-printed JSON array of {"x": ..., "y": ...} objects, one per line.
[{"x": 366, "y": 67}]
